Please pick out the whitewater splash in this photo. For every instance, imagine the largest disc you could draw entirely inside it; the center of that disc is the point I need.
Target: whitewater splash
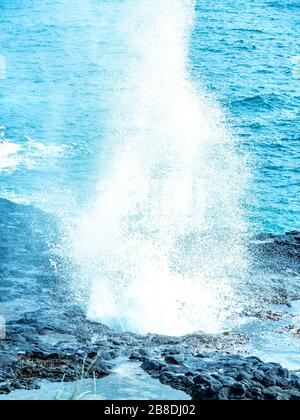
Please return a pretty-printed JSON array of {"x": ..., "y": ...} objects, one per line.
[
  {"x": 12, "y": 154},
  {"x": 161, "y": 247}
]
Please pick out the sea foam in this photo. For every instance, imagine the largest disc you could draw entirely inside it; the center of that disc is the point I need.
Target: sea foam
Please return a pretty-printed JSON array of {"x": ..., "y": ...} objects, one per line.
[{"x": 161, "y": 248}]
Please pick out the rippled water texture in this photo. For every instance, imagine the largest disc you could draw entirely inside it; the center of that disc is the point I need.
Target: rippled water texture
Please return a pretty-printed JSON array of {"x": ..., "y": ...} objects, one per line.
[
  {"x": 160, "y": 138},
  {"x": 59, "y": 56}
]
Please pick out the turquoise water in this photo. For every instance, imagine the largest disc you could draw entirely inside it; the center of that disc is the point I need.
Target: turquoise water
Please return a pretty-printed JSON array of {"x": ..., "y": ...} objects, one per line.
[
  {"x": 248, "y": 55},
  {"x": 160, "y": 136},
  {"x": 65, "y": 64}
]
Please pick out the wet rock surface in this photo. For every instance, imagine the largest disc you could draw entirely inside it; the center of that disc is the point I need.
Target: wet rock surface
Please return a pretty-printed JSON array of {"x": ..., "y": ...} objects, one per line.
[
  {"x": 35, "y": 350},
  {"x": 270, "y": 245},
  {"x": 71, "y": 350},
  {"x": 212, "y": 376},
  {"x": 49, "y": 338}
]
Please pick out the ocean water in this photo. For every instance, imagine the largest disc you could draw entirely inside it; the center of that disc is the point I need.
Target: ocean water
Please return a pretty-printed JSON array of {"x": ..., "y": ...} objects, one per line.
[
  {"x": 248, "y": 55},
  {"x": 161, "y": 137},
  {"x": 65, "y": 67}
]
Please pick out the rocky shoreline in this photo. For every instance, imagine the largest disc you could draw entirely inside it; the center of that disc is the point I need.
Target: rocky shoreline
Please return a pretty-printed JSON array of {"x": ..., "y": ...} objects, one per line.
[
  {"x": 36, "y": 349},
  {"x": 213, "y": 376},
  {"x": 49, "y": 338}
]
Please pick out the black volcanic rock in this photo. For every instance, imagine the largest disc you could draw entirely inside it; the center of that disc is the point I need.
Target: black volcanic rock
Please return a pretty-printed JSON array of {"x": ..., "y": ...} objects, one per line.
[
  {"x": 218, "y": 377},
  {"x": 48, "y": 337}
]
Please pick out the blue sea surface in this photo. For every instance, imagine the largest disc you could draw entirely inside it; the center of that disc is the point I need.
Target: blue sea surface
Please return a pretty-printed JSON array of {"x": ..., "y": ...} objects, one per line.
[
  {"x": 248, "y": 54},
  {"x": 64, "y": 64},
  {"x": 65, "y": 68}
]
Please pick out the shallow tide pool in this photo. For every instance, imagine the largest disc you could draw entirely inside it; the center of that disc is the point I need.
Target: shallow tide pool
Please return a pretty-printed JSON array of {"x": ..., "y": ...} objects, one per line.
[{"x": 127, "y": 382}]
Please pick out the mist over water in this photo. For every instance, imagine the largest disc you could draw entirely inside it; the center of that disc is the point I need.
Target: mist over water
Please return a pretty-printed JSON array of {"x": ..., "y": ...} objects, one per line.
[
  {"x": 161, "y": 247},
  {"x": 127, "y": 133}
]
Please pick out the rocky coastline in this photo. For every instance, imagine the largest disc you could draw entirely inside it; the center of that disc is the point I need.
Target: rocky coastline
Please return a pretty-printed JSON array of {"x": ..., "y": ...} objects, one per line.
[
  {"x": 50, "y": 339},
  {"x": 34, "y": 350}
]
